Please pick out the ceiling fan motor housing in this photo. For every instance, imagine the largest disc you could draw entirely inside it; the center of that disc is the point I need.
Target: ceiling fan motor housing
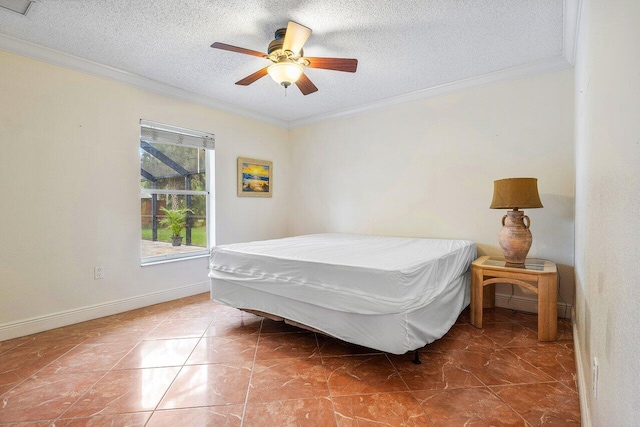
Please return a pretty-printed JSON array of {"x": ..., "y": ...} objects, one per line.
[
  {"x": 274, "y": 45},
  {"x": 277, "y": 43}
]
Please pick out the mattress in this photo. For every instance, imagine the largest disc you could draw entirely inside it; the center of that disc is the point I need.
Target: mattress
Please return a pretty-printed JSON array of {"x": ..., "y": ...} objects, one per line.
[
  {"x": 317, "y": 279},
  {"x": 354, "y": 273}
]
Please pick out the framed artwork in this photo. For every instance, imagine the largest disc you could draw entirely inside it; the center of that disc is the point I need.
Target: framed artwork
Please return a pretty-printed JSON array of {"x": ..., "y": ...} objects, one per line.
[{"x": 254, "y": 178}]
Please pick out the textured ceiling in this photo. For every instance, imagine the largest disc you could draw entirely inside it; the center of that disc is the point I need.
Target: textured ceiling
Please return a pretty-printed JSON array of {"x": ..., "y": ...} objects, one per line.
[{"x": 401, "y": 46}]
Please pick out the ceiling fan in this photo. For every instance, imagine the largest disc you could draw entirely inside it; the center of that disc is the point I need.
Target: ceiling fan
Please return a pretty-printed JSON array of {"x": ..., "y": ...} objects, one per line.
[{"x": 288, "y": 61}]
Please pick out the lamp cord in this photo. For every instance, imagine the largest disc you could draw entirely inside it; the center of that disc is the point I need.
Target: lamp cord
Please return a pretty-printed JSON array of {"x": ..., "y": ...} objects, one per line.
[{"x": 566, "y": 306}]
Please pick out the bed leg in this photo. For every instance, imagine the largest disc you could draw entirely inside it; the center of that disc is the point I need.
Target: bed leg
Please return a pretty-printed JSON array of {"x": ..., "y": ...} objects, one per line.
[{"x": 416, "y": 358}]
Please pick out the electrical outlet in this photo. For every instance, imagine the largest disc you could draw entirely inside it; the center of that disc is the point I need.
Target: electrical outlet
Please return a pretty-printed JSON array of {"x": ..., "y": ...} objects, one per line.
[
  {"x": 594, "y": 377},
  {"x": 98, "y": 272}
]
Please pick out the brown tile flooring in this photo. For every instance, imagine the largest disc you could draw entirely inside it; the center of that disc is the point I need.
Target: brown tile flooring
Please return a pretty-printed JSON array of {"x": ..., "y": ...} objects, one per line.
[{"x": 192, "y": 362}]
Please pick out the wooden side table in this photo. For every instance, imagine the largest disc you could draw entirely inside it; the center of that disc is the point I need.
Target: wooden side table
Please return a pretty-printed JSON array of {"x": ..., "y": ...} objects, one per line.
[{"x": 540, "y": 276}]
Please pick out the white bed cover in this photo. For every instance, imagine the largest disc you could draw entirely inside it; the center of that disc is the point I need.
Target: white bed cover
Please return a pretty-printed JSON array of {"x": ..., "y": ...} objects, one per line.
[{"x": 350, "y": 273}]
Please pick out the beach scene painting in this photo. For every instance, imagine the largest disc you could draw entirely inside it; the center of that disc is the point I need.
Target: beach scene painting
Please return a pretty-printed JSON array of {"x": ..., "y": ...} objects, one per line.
[{"x": 254, "y": 177}]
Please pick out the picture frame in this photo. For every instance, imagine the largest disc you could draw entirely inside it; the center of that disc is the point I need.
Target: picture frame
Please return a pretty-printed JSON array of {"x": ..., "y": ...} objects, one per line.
[{"x": 255, "y": 177}]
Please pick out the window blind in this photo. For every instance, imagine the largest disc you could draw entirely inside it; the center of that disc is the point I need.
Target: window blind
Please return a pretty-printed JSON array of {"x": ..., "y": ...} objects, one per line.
[{"x": 166, "y": 134}]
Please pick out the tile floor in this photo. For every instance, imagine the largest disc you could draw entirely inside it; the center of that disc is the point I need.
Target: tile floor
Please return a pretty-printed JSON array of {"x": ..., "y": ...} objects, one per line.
[{"x": 192, "y": 362}]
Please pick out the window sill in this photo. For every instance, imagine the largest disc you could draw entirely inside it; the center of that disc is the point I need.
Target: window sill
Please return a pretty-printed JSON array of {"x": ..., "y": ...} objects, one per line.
[{"x": 169, "y": 260}]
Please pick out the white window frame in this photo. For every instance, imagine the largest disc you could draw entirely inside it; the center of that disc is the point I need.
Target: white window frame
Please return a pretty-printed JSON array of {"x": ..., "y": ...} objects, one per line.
[{"x": 209, "y": 157}]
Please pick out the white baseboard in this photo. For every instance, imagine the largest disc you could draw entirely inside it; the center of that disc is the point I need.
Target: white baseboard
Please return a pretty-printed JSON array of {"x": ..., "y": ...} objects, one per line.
[
  {"x": 77, "y": 315},
  {"x": 585, "y": 414},
  {"x": 529, "y": 305}
]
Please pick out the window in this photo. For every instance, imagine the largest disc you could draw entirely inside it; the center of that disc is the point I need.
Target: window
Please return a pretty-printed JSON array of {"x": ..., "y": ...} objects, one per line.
[{"x": 174, "y": 191}]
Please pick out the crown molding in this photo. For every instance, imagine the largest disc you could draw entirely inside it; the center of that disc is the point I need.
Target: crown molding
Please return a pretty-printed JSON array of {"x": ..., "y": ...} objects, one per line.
[
  {"x": 55, "y": 57},
  {"x": 555, "y": 64},
  {"x": 571, "y": 26},
  {"x": 571, "y": 22},
  {"x": 571, "y": 18}
]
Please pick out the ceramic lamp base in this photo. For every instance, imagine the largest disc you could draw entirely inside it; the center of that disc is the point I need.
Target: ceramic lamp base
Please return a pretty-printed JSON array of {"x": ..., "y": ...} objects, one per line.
[{"x": 515, "y": 238}]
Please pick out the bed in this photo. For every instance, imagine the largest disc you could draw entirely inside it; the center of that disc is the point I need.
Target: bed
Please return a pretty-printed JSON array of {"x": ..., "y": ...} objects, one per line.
[{"x": 387, "y": 293}]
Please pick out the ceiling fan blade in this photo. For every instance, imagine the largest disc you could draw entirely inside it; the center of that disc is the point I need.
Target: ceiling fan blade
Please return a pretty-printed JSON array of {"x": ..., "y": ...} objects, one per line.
[
  {"x": 336, "y": 64},
  {"x": 253, "y": 77},
  {"x": 237, "y": 49},
  {"x": 295, "y": 37},
  {"x": 305, "y": 85}
]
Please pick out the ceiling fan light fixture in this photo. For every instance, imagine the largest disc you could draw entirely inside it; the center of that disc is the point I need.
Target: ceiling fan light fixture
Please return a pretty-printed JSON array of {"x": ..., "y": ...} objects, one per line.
[{"x": 285, "y": 73}]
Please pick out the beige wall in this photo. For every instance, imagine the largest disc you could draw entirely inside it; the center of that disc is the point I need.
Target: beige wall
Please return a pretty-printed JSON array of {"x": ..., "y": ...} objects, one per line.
[
  {"x": 426, "y": 168},
  {"x": 607, "y": 113},
  {"x": 69, "y": 174}
]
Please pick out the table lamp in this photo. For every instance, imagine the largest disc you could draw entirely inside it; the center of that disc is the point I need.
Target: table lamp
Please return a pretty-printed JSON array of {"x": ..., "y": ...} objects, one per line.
[{"x": 515, "y": 193}]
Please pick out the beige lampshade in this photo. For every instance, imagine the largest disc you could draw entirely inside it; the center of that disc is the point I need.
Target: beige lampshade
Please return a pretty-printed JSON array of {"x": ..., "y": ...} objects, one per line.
[{"x": 515, "y": 193}]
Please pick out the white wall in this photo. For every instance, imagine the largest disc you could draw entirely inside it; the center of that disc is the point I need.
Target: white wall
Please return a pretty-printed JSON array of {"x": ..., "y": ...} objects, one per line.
[
  {"x": 426, "y": 168},
  {"x": 607, "y": 113},
  {"x": 69, "y": 179}
]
